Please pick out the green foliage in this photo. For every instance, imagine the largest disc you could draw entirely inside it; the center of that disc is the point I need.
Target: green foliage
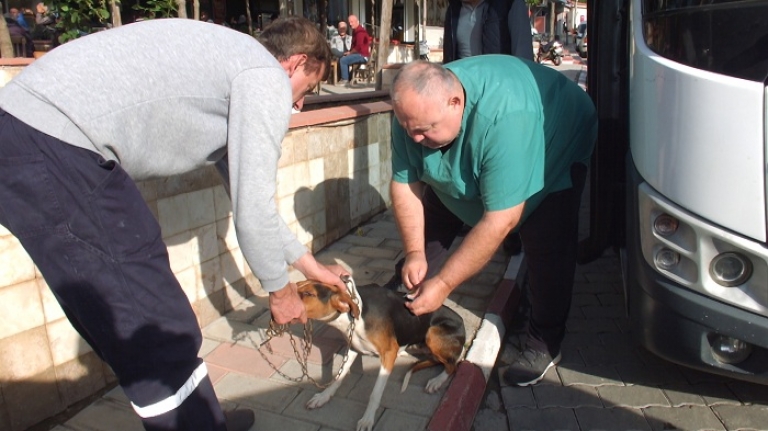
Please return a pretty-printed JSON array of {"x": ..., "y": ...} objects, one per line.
[
  {"x": 78, "y": 17},
  {"x": 158, "y": 8}
]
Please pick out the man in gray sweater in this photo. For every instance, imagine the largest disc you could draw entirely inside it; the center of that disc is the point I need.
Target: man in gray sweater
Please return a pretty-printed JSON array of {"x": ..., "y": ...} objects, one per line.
[{"x": 146, "y": 100}]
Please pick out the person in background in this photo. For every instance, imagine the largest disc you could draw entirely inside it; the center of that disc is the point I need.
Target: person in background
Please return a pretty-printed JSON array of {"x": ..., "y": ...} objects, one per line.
[
  {"x": 45, "y": 23},
  {"x": 43, "y": 16},
  {"x": 341, "y": 42},
  {"x": 482, "y": 141},
  {"x": 358, "y": 53},
  {"x": 16, "y": 30},
  {"x": 18, "y": 16},
  {"x": 475, "y": 27},
  {"x": 69, "y": 161}
]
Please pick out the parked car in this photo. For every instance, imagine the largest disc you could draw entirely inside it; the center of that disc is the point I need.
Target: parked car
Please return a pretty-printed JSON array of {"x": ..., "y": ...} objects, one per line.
[{"x": 581, "y": 39}]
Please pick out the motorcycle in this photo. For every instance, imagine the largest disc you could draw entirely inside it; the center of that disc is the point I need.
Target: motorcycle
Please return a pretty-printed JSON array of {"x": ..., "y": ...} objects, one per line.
[{"x": 551, "y": 51}]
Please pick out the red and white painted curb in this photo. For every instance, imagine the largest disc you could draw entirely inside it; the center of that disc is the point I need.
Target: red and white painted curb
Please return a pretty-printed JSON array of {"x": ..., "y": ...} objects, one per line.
[
  {"x": 461, "y": 401},
  {"x": 583, "y": 78}
]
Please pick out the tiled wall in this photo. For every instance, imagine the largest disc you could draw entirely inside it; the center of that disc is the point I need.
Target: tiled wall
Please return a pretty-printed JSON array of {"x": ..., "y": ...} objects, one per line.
[{"x": 332, "y": 177}]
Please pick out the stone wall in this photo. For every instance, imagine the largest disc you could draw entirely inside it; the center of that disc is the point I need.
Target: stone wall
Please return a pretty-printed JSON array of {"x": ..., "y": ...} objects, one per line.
[{"x": 333, "y": 175}]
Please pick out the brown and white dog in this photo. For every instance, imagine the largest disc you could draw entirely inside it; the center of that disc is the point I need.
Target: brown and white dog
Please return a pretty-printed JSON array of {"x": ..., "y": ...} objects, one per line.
[{"x": 382, "y": 326}]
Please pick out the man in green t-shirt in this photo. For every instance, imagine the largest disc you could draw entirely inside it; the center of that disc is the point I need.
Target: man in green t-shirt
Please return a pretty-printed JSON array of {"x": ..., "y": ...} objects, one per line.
[{"x": 500, "y": 144}]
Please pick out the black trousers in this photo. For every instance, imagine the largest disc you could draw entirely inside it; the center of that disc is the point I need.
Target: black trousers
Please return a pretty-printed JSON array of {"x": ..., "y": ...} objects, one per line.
[
  {"x": 550, "y": 239},
  {"x": 85, "y": 225}
]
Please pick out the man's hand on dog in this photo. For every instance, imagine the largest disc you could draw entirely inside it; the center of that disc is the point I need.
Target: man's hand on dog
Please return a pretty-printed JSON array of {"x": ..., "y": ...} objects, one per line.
[
  {"x": 414, "y": 269},
  {"x": 314, "y": 270},
  {"x": 330, "y": 274},
  {"x": 286, "y": 306},
  {"x": 428, "y": 296}
]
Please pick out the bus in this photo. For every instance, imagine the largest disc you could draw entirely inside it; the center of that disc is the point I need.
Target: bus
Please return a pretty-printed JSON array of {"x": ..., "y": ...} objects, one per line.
[{"x": 678, "y": 183}]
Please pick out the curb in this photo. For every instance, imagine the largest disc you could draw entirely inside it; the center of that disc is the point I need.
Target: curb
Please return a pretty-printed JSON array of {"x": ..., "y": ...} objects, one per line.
[
  {"x": 567, "y": 59},
  {"x": 460, "y": 403},
  {"x": 582, "y": 81}
]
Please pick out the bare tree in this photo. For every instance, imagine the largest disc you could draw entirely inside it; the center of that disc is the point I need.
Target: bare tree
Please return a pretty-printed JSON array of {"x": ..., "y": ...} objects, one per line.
[
  {"x": 6, "y": 47},
  {"x": 182, "y": 8},
  {"x": 324, "y": 17},
  {"x": 552, "y": 16},
  {"x": 117, "y": 20},
  {"x": 385, "y": 29},
  {"x": 248, "y": 17},
  {"x": 196, "y": 9}
]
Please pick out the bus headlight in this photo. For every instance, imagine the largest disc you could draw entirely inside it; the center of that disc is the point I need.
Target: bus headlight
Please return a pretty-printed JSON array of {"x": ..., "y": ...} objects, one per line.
[
  {"x": 729, "y": 350},
  {"x": 666, "y": 259},
  {"x": 665, "y": 225},
  {"x": 730, "y": 269}
]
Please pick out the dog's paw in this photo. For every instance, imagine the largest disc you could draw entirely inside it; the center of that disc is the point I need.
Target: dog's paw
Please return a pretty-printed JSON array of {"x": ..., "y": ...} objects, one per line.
[
  {"x": 318, "y": 400},
  {"x": 434, "y": 384},
  {"x": 365, "y": 424}
]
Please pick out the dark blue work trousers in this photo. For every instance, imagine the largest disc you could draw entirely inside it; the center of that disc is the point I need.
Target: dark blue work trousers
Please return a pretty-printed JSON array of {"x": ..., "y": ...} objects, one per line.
[
  {"x": 85, "y": 225},
  {"x": 550, "y": 239}
]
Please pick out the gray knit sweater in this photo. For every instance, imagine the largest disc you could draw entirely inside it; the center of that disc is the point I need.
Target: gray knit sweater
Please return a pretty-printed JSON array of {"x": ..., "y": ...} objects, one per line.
[{"x": 164, "y": 97}]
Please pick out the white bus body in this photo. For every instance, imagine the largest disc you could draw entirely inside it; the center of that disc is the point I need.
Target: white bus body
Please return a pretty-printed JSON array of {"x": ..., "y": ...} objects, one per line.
[{"x": 691, "y": 104}]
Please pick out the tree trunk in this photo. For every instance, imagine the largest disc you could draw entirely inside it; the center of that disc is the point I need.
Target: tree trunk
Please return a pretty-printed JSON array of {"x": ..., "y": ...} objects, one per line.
[
  {"x": 182, "y": 8},
  {"x": 6, "y": 47},
  {"x": 552, "y": 9},
  {"x": 196, "y": 9},
  {"x": 117, "y": 20},
  {"x": 385, "y": 29},
  {"x": 324, "y": 17},
  {"x": 248, "y": 17}
]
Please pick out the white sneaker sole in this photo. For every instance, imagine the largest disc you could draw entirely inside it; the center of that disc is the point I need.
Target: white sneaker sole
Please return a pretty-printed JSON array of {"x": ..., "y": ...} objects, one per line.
[{"x": 538, "y": 379}]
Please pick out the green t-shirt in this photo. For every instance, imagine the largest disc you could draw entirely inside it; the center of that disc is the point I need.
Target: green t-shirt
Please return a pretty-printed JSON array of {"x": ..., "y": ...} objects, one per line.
[{"x": 523, "y": 127}]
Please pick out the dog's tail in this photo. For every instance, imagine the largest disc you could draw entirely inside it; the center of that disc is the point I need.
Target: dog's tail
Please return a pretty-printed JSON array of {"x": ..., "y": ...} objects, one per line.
[{"x": 416, "y": 367}]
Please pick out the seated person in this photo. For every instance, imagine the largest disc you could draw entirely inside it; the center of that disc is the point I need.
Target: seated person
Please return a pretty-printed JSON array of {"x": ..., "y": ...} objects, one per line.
[
  {"x": 45, "y": 23},
  {"x": 358, "y": 53},
  {"x": 341, "y": 42},
  {"x": 14, "y": 29},
  {"x": 18, "y": 16}
]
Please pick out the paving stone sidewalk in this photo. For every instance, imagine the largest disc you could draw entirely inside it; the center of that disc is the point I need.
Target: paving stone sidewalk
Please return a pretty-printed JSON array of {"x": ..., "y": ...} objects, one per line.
[
  {"x": 607, "y": 382},
  {"x": 243, "y": 378}
]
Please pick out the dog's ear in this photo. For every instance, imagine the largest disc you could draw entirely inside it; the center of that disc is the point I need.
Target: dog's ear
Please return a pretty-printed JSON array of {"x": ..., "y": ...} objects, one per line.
[{"x": 342, "y": 301}]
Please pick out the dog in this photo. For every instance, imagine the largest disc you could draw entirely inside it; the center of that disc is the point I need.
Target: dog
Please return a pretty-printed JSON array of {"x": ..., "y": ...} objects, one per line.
[{"x": 383, "y": 325}]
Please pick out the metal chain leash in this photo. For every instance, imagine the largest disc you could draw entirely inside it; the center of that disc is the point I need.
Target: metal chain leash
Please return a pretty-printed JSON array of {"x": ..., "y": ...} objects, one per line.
[{"x": 302, "y": 355}]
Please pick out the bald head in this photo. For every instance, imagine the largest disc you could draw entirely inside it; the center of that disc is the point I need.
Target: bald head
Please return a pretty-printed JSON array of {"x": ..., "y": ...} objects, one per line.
[
  {"x": 425, "y": 79},
  {"x": 428, "y": 102},
  {"x": 353, "y": 21}
]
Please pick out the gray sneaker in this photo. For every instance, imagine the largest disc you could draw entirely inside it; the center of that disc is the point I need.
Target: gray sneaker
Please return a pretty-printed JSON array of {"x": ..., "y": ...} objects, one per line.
[{"x": 529, "y": 367}]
